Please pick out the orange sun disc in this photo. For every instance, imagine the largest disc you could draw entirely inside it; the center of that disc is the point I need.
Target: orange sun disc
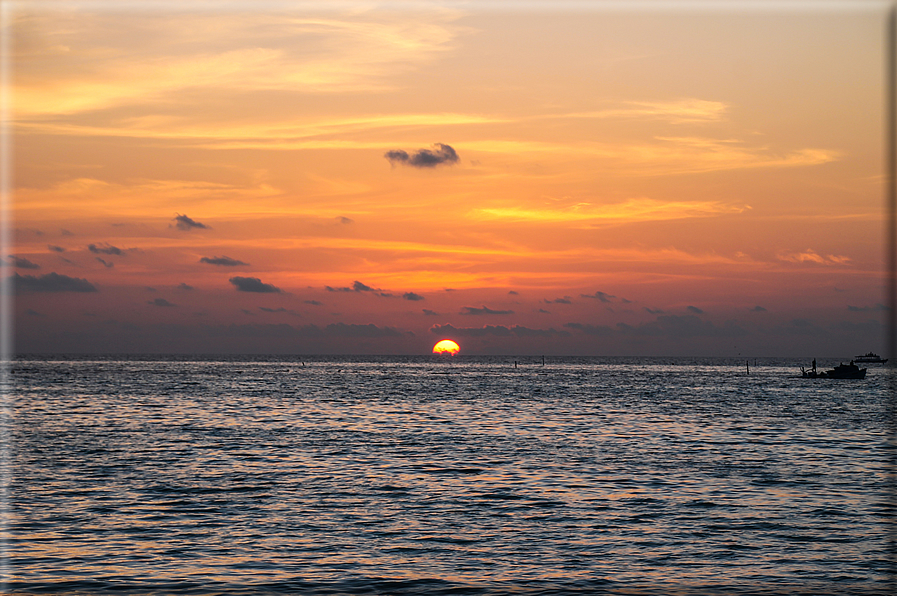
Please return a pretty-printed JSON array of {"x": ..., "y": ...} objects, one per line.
[{"x": 446, "y": 346}]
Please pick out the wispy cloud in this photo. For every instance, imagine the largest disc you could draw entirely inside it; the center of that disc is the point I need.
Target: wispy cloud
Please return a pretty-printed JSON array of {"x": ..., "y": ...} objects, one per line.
[
  {"x": 105, "y": 248},
  {"x": 811, "y": 256},
  {"x": 161, "y": 302},
  {"x": 472, "y": 310},
  {"x": 324, "y": 53},
  {"x": 677, "y": 111},
  {"x": 223, "y": 261},
  {"x": 628, "y": 211}
]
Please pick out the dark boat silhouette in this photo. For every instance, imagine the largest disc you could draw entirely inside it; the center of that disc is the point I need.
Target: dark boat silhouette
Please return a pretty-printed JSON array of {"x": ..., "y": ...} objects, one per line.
[{"x": 842, "y": 371}]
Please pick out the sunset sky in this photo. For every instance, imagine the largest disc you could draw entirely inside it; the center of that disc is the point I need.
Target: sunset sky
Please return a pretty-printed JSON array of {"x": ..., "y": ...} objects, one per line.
[{"x": 523, "y": 178}]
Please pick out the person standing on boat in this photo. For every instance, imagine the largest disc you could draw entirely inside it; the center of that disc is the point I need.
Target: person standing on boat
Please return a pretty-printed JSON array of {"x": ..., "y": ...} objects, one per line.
[{"x": 814, "y": 365}]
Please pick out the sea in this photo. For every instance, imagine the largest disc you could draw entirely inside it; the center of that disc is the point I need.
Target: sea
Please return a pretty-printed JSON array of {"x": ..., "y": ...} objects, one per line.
[{"x": 324, "y": 475}]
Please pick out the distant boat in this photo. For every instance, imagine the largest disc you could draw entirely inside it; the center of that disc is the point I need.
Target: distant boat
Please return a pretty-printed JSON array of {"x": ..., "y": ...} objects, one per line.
[
  {"x": 870, "y": 358},
  {"x": 842, "y": 371}
]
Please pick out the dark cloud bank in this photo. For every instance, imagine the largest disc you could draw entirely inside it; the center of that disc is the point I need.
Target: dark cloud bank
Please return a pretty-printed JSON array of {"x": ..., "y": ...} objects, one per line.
[
  {"x": 51, "y": 282},
  {"x": 182, "y": 222},
  {"x": 223, "y": 261},
  {"x": 105, "y": 249},
  {"x": 441, "y": 154},
  {"x": 253, "y": 284},
  {"x": 22, "y": 263}
]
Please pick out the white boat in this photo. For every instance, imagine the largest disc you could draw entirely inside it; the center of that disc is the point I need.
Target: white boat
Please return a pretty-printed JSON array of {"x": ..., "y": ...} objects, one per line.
[{"x": 870, "y": 358}]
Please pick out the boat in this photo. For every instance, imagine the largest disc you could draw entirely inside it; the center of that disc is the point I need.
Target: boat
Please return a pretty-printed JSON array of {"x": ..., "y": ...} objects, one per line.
[
  {"x": 842, "y": 371},
  {"x": 870, "y": 358}
]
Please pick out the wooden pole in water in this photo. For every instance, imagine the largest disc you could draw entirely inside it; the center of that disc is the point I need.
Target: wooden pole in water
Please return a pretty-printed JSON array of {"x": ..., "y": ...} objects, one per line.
[{"x": 748, "y": 364}]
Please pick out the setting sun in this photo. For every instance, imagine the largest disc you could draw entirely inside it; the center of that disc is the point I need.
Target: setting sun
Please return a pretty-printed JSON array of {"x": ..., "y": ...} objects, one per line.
[{"x": 446, "y": 346}]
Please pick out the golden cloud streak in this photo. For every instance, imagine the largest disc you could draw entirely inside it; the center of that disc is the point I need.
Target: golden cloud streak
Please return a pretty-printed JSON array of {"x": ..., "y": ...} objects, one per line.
[
  {"x": 89, "y": 67},
  {"x": 678, "y": 111},
  {"x": 633, "y": 210}
]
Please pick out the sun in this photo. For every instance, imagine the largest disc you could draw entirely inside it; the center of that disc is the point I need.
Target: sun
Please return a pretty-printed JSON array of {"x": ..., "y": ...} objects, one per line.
[{"x": 446, "y": 346}]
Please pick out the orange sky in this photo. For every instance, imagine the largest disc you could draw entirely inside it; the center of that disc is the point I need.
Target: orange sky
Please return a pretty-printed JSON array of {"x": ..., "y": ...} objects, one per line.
[{"x": 663, "y": 179}]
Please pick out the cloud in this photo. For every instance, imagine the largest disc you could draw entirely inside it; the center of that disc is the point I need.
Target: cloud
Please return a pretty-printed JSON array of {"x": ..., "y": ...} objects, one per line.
[
  {"x": 600, "y": 330},
  {"x": 107, "y": 264},
  {"x": 494, "y": 330},
  {"x": 51, "y": 282},
  {"x": 252, "y": 284},
  {"x": 182, "y": 222},
  {"x": 313, "y": 302},
  {"x": 470, "y": 310},
  {"x": 811, "y": 256},
  {"x": 345, "y": 220},
  {"x": 513, "y": 292},
  {"x": 183, "y": 286},
  {"x": 358, "y": 286},
  {"x": 223, "y": 261},
  {"x": 664, "y": 326},
  {"x": 412, "y": 296},
  {"x": 876, "y": 308},
  {"x": 682, "y": 326},
  {"x": 564, "y": 300},
  {"x": 105, "y": 249},
  {"x": 430, "y": 313},
  {"x": 589, "y": 215},
  {"x": 352, "y": 330},
  {"x": 55, "y": 248},
  {"x": 22, "y": 263},
  {"x": 654, "y": 311},
  {"x": 160, "y": 302},
  {"x": 758, "y": 308},
  {"x": 424, "y": 158},
  {"x": 695, "y": 310},
  {"x": 677, "y": 111},
  {"x": 599, "y": 296},
  {"x": 279, "y": 310}
]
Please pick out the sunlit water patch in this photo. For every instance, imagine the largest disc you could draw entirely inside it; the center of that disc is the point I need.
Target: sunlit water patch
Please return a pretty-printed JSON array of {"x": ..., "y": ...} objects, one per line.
[{"x": 428, "y": 475}]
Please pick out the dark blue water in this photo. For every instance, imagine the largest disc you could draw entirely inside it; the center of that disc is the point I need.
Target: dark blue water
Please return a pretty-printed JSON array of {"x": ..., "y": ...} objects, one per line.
[{"x": 426, "y": 475}]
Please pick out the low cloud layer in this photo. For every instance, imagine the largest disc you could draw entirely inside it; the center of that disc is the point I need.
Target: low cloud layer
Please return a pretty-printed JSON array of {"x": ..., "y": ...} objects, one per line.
[
  {"x": 51, "y": 282},
  {"x": 161, "y": 302},
  {"x": 471, "y": 310},
  {"x": 358, "y": 286},
  {"x": 664, "y": 326},
  {"x": 600, "y": 296},
  {"x": 253, "y": 284},
  {"x": 441, "y": 154},
  {"x": 22, "y": 263},
  {"x": 222, "y": 261},
  {"x": 494, "y": 331}
]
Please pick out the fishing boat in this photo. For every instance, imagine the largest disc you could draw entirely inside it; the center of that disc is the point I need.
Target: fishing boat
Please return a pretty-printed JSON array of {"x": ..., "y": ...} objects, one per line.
[
  {"x": 842, "y": 371},
  {"x": 870, "y": 358}
]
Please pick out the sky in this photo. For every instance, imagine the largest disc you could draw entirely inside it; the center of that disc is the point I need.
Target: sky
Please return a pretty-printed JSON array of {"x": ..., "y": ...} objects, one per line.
[{"x": 580, "y": 178}]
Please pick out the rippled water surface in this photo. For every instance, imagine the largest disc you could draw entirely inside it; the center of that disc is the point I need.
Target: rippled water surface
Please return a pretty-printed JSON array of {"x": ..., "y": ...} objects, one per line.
[{"x": 448, "y": 476}]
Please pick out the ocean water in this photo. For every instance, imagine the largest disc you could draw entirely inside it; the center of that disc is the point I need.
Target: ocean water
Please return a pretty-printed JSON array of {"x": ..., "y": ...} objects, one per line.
[{"x": 435, "y": 475}]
